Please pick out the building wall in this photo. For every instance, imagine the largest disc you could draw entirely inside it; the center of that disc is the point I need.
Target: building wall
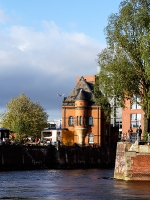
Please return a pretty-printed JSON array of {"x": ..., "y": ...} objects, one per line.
[
  {"x": 126, "y": 117},
  {"x": 98, "y": 128},
  {"x": 66, "y": 112}
]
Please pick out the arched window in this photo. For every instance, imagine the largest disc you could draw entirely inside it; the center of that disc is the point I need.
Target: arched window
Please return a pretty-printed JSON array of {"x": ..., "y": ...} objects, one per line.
[
  {"x": 71, "y": 121},
  {"x": 91, "y": 121}
]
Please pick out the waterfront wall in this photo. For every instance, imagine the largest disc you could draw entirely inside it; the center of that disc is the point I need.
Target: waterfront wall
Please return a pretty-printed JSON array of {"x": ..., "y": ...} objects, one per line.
[
  {"x": 16, "y": 157},
  {"x": 132, "y": 161}
]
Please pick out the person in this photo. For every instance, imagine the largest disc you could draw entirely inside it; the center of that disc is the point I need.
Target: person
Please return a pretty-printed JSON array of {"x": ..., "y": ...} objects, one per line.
[
  {"x": 36, "y": 139},
  {"x": 130, "y": 131},
  {"x": 139, "y": 132},
  {"x": 50, "y": 141}
]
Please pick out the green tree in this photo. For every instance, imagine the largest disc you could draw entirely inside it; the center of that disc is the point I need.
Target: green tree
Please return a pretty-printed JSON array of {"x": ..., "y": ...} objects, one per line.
[
  {"x": 24, "y": 117},
  {"x": 101, "y": 99},
  {"x": 125, "y": 63}
]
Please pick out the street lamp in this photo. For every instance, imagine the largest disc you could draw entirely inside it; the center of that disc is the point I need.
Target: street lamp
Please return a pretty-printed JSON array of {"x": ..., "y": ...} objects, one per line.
[{"x": 60, "y": 95}]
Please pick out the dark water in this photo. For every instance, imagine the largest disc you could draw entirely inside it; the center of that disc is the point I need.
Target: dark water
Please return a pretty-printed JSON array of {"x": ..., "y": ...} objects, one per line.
[{"x": 69, "y": 184}]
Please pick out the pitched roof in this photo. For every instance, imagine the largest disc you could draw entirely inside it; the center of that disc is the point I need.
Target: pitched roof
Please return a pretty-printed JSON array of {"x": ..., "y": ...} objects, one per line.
[{"x": 82, "y": 91}]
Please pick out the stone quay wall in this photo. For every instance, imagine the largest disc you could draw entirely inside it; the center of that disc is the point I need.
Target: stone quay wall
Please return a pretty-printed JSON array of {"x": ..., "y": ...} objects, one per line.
[
  {"x": 132, "y": 162},
  {"x": 17, "y": 157}
]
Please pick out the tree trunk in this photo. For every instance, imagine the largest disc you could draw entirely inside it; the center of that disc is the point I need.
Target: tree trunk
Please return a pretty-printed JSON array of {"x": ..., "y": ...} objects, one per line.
[{"x": 146, "y": 127}]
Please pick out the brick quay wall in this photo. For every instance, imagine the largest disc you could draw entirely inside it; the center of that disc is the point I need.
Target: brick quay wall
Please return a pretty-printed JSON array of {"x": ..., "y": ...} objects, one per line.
[
  {"x": 17, "y": 157},
  {"x": 132, "y": 162}
]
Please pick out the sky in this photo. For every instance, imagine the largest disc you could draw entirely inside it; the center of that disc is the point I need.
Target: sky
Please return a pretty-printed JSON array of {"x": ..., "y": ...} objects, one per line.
[{"x": 46, "y": 44}]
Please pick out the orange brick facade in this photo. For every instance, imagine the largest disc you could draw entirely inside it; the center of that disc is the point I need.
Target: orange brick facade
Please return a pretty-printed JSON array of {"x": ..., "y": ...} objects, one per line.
[
  {"x": 76, "y": 105},
  {"x": 126, "y": 117}
]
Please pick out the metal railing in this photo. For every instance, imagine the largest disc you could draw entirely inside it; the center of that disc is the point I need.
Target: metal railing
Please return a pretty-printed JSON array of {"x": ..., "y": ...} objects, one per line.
[{"x": 134, "y": 137}]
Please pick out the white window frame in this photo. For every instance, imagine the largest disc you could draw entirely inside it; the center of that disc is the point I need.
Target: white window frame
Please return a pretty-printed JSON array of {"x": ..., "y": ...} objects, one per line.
[
  {"x": 135, "y": 104},
  {"x": 135, "y": 120}
]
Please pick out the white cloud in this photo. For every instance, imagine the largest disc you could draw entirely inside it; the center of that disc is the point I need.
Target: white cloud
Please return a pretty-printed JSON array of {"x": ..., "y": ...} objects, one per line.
[{"x": 42, "y": 64}]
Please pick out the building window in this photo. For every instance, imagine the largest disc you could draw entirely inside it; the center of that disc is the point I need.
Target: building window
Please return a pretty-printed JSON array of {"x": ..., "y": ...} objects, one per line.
[
  {"x": 135, "y": 120},
  {"x": 91, "y": 138},
  {"x": 77, "y": 121},
  {"x": 118, "y": 124},
  {"x": 91, "y": 121},
  {"x": 135, "y": 103},
  {"x": 84, "y": 121},
  {"x": 71, "y": 121},
  {"x": 81, "y": 121}
]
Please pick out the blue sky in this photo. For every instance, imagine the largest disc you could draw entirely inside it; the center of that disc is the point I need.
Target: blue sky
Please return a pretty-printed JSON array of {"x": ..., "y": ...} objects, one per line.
[{"x": 46, "y": 44}]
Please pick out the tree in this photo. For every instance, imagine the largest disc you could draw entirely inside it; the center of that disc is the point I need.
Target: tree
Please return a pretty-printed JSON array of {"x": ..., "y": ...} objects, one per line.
[
  {"x": 24, "y": 117},
  {"x": 125, "y": 63},
  {"x": 100, "y": 99}
]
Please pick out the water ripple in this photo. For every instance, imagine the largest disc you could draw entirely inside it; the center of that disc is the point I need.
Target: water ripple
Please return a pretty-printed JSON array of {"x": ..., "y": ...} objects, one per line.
[{"x": 70, "y": 185}]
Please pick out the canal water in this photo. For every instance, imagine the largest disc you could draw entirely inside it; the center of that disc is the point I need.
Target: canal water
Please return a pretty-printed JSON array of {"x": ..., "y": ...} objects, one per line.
[{"x": 70, "y": 185}]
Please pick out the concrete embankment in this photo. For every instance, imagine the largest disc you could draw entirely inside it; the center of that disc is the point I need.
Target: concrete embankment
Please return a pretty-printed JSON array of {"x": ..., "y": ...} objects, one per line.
[
  {"x": 17, "y": 157},
  {"x": 132, "y": 161}
]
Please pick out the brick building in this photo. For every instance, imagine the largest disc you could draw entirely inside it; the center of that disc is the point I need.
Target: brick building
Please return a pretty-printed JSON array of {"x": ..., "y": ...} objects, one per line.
[
  {"x": 132, "y": 116},
  {"x": 83, "y": 116}
]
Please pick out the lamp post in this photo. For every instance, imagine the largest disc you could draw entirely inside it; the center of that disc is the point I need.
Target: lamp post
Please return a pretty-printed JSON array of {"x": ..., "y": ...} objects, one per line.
[{"x": 60, "y": 95}]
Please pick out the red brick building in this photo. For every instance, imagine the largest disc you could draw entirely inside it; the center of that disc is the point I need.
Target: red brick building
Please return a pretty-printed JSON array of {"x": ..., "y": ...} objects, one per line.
[
  {"x": 132, "y": 116},
  {"x": 83, "y": 116}
]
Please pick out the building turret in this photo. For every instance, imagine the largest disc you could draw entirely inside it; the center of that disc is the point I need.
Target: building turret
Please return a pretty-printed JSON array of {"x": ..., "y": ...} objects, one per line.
[{"x": 80, "y": 115}]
